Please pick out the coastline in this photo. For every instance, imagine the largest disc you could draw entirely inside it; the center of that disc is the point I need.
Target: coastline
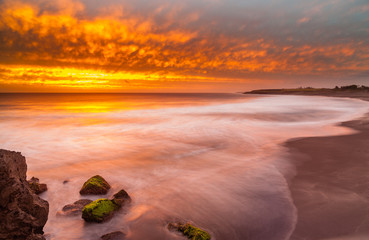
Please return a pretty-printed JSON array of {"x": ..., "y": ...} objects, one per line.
[
  {"x": 330, "y": 189},
  {"x": 266, "y": 210},
  {"x": 362, "y": 94}
]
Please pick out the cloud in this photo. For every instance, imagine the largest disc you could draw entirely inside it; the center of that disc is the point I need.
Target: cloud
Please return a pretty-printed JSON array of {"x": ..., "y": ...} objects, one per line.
[
  {"x": 303, "y": 20},
  {"x": 217, "y": 41}
]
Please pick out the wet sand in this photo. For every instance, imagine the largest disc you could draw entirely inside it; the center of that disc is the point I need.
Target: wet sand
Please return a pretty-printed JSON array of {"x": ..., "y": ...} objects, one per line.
[{"x": 331, "y": 186}]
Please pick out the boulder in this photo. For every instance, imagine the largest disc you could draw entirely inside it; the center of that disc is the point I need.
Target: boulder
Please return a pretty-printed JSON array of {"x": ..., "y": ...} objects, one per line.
[
  {"x": 74, "y": 208},
  {"x": 36, "y": 186},
  {"x": 103, "y": 209},
  {"x": 23, "y": 214},
  {"x": 118, "y": 235},
  {"x": 190, "y": 231},
  {"x": 121, "y": 198},
  {"x": 94, "y": 186},
  {"x": 99, "y": 210}
]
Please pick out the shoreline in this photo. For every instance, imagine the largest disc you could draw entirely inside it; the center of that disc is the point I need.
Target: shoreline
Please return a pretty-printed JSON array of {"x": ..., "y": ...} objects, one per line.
[
  {"x": 267, "y": 204},
  {"x": 331, "y": 187}
]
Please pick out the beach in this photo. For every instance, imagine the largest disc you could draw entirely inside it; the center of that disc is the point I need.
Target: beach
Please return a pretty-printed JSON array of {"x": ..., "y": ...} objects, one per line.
[
  {"x": 330, "y": 189},
  {"x": 129, "y": 120}
]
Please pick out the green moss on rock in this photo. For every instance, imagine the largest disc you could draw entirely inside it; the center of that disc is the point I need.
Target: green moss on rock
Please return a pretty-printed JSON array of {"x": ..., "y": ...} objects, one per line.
[
  {"x": 99, "y": 210},
  {"x": 95, "y": 185},
  {"x": 190, "y": 231}
]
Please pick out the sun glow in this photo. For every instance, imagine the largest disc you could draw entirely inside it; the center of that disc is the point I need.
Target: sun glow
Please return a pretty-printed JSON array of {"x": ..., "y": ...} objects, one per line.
[
  {"x": 86, "y": 78},
  {"x": 65, "y": 44}
]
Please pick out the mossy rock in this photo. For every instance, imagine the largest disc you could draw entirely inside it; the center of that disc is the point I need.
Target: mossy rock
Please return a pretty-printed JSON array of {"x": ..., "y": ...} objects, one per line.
[
  {"x": 190, "y": 231},
  {"x": 95, "y": 186},
  {"x": 99, "y": 210}
]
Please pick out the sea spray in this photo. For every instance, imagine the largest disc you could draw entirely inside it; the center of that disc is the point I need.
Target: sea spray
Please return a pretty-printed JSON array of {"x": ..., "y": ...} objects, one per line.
[{"x": 214, "y": 161}]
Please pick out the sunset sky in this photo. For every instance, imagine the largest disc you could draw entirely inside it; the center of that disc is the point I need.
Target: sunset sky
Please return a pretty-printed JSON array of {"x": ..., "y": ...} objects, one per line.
[{"x": 181, "y": 46}]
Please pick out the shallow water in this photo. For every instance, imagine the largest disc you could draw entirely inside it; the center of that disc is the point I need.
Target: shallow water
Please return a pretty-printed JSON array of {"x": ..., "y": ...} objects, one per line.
[{"x": 212, "y": 159}]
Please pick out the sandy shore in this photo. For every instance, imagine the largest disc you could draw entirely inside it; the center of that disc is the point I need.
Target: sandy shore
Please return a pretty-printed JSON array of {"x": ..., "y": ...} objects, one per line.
[{"x": 331, "y": 187}]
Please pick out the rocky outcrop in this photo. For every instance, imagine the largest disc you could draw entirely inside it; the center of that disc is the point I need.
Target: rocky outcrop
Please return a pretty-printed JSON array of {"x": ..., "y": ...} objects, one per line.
[
  {"x": 36, "y": 186},
  {"x": 118, "y": 235},
  {"x": 190, "y": 231},
  {"x": 22, "y": 213},
  {"x": 74, "y": 208},
  {"x": 94, "y": 186}
]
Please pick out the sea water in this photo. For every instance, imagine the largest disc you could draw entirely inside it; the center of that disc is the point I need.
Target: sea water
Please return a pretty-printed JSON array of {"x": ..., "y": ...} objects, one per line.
[{"x": 215, "y": 160}]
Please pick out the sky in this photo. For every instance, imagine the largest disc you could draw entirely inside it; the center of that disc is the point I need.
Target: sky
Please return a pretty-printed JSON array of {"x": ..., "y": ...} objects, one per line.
[{"x": 181, "y": 46}]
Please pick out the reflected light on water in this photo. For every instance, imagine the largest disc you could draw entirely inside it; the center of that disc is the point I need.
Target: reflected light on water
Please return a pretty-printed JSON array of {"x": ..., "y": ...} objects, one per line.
[{"x": 213, "y": 159}]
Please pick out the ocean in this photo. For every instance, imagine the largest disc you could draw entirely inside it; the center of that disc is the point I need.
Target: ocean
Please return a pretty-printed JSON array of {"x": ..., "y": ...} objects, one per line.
[{"x": 216, "y": 160}]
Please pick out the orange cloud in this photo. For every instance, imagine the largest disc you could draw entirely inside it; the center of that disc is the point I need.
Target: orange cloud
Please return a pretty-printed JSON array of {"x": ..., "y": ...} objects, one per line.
[{"x": 65, "y": 46}]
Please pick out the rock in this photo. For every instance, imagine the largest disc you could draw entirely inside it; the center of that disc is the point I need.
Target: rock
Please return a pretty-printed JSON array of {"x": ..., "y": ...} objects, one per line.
[
  {"x": 22, "y": 213},
  {"x": 99, "y": 210},
  {"x": 190, "y": 231},
  {"x": 102, "y": 209},
  {"x": 121, "y": 198},
  {"x": 36, "y": 186},
  {"x": 65, "y": 181},
  {"x": 95, "y": 186},
  {"x": 74, "y": 208},
  {"x": 118, "y": 235}
]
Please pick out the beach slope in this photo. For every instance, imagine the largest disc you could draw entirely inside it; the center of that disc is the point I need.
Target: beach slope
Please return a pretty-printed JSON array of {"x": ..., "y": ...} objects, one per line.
[{"x": 331, "y": 186}]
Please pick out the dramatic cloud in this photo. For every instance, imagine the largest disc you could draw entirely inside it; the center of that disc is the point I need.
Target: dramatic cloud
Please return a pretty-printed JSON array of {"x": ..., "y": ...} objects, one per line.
[{"x": 125, "y": 45}]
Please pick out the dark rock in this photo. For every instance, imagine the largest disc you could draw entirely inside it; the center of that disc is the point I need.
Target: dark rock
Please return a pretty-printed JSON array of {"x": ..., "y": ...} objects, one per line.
[
  {"x": 36, "y": 186},
  {"x": 22, "y": 213},
  {"x": 74, "y": 208},
  {"x": 121, "y": 198},
  {"x": 99, "y": 210},
  {"x": 94, "y": 186},
  {"x": 65, "y": 181},
  {"x": 118, "y": 235},
  {"x": 190, "y": 231}
]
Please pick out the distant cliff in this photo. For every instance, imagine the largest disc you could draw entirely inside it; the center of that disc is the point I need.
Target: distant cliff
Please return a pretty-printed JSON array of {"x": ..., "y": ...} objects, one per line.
[
  {"x": 23, "y": 214},
  {"x": 351, "y": 91},
  {"x": 337, "y": 91}
]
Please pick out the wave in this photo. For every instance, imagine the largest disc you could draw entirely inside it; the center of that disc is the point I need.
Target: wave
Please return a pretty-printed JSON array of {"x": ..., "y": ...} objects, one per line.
[{"x": 221, "y": 165}]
